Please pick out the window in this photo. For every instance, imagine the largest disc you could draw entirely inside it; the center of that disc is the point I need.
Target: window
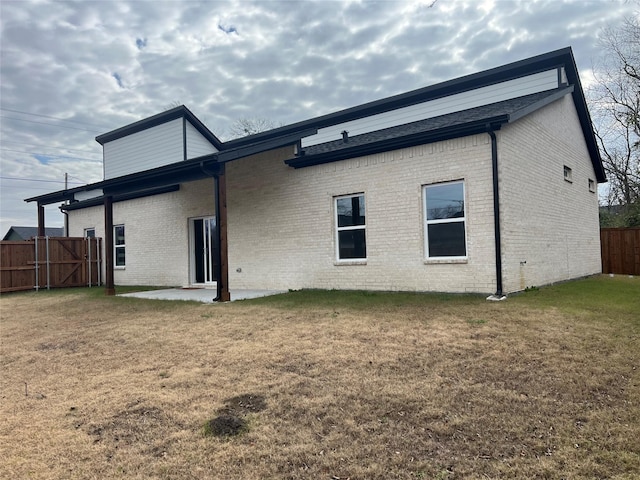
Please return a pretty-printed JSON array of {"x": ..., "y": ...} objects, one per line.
[
  {"x": 568, "y": 174},
  {"x": 592, "y": 186},
  {"x": 350, "y": 227},
  {"x": 445, "y": 235},
  {"x": 89, "y": 232},
  {"x": 118, "y": 245}
]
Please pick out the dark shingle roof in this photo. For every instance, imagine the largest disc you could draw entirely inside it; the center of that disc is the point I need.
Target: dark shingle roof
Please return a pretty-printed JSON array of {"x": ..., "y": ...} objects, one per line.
[
  {"x": 27, "y": 232},
  {"x": 503, "y": 109}
]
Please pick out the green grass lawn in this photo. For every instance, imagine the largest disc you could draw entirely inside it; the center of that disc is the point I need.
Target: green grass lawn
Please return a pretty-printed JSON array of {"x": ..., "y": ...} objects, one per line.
[{"x": 323, "y": 385}]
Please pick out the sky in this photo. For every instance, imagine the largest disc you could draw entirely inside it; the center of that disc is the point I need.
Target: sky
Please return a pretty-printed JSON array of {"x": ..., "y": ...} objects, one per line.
[{"x": 70, "y": 71}]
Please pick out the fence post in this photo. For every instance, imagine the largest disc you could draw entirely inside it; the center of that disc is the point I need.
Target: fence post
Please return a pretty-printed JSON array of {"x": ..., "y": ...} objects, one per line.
[
  {"x": 99, "y": 260},
  {"x": 90, "y": 258},
  {"x": 48, "y": 264},
  {"x": 37, "y": 279}
]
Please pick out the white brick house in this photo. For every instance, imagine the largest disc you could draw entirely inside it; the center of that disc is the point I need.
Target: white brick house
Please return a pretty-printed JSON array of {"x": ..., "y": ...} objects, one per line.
[{"x": 486, "y": 183}]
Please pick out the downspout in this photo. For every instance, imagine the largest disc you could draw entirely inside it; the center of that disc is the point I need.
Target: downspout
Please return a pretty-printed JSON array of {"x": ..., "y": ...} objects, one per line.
[
  {"x": 496, "y": 216},
  {"x": 66, "y": 222},
  {"x": 66, "y": 219}
]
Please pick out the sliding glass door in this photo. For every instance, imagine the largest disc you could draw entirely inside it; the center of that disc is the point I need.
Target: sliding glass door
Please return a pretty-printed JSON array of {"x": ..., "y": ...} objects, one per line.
[{"x": 204, "y": 253}]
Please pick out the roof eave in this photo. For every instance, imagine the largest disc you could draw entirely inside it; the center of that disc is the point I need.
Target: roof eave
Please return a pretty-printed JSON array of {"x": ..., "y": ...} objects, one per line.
[
  {"x": 517, "y": 115},
  {"x": 55, "y": 197},
  {"x": 163, "y": 117},
  {"x": 189, "y": 170},
  {"x": 421, "y": 138}
]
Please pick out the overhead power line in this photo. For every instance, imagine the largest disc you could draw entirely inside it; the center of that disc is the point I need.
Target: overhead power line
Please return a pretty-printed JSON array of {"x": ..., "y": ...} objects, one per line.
[
  {"x": 49, "y": 124},
  {"x": 82, "y": 182},
  {"x": 57, "y": 148},
  {"x": 96, "y": 160},
  {"x": 43, "y": 180},
  {"x": 53, "y": 118},
  {"x": 42, "y": 188}
]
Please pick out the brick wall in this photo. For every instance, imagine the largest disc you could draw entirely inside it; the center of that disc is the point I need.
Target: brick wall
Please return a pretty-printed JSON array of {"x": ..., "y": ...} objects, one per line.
[
  {"x": 547, "y": 222},
  {"x": 282, "y": 220},
  {"x": 156, "y": 232},
  {"x": 282, "y": 228}
]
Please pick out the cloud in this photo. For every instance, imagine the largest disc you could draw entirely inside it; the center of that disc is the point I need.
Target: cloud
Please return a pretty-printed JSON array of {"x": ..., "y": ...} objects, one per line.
[
  {"x": 118, "y": 78},
  {"x": 102, "y": 68},
  {"x": 228, "y": 30}
]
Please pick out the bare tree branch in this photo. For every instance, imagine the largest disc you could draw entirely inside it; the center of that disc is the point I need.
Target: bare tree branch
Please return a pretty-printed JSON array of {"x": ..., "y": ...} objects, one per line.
[
  {"x": 250, "y": 125},
  {"x": 615, "y": 101}
]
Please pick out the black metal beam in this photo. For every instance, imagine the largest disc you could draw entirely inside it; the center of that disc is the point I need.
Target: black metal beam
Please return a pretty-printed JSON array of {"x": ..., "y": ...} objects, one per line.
[{"x": 92, "y": 202}]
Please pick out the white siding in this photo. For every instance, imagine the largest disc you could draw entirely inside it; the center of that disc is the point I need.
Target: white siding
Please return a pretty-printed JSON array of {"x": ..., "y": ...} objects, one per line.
[
  {"x": 80, "y": 196},
  {"x": 197, "y": 145},
  {"x": 519, "y": 87},
  {"x": 151, "y": 148}
]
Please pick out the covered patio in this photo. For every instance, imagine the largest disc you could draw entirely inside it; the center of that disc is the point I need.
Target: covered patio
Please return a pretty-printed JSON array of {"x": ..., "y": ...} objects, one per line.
[
  {"x": 165, "y": 179},
  {"x": 203, "y": 295}
]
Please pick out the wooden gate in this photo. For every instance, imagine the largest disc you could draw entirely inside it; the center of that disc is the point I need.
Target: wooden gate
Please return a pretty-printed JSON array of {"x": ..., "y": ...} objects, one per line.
[
  {"x": 50, "y": 262},
  {"x": 620, "y": 250}
]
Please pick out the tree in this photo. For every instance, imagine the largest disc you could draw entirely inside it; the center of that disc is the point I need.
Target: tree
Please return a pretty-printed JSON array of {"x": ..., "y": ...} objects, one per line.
[
  {"x": 616, "y": 106},
  {"x": 242, "y": 127}
]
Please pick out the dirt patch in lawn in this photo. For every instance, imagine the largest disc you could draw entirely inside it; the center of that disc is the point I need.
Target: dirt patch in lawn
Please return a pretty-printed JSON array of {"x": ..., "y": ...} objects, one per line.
[
  {"x": 406, "y": 387},
  {"x": 231, "y": 419}
]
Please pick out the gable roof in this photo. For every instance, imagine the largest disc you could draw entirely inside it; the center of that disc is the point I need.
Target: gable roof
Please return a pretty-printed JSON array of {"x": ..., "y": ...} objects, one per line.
[
  {"x": 27, "y": 232},
  {"x": 163, "y": 117}
]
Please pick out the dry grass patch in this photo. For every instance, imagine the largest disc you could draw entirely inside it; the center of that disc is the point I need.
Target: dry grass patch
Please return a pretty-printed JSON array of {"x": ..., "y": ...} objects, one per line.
[{"x": 323, "y": 385}]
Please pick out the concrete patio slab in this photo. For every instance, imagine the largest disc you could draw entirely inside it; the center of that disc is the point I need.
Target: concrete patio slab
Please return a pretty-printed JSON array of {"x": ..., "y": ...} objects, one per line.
[{"x": 204, "y": 295}]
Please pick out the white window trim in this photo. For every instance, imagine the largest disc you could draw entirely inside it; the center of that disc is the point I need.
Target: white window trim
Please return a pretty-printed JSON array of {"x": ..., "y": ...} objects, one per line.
[
  {"x": 453, "y": 259},
  {"x": 115, "y": 247},
  {"x": 88, "y": 229},
  {"x": 337, "y": 230}
]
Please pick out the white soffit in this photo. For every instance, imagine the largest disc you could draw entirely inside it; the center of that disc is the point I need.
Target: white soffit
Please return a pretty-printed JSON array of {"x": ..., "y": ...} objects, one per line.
[{"x": 86, "y": 195}]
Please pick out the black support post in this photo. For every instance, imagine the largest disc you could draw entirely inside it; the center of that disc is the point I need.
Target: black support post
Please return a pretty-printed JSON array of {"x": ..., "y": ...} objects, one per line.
[
  {"x": 109, "y": 285},
  {"x": 41, "y": 230}
]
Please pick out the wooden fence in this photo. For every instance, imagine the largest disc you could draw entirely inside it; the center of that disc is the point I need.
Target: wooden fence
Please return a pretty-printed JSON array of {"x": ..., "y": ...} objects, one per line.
[
  {"x": 620, "y": 250},
  {"x": 50, "y": 262}
]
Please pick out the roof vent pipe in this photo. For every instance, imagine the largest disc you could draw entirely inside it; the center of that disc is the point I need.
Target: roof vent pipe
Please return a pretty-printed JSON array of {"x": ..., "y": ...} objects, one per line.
[{"x": 345, "y": 136}]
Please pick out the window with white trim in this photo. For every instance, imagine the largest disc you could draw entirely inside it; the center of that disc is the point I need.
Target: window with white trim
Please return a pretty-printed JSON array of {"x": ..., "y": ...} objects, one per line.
[
  {"x": 119, "y": 245},
  {"x": 445, "y": 221},
  {"x": 351, "y": 227},
  {"x": 89, "y": 233},
  {"x": 592, "y": 185}
]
